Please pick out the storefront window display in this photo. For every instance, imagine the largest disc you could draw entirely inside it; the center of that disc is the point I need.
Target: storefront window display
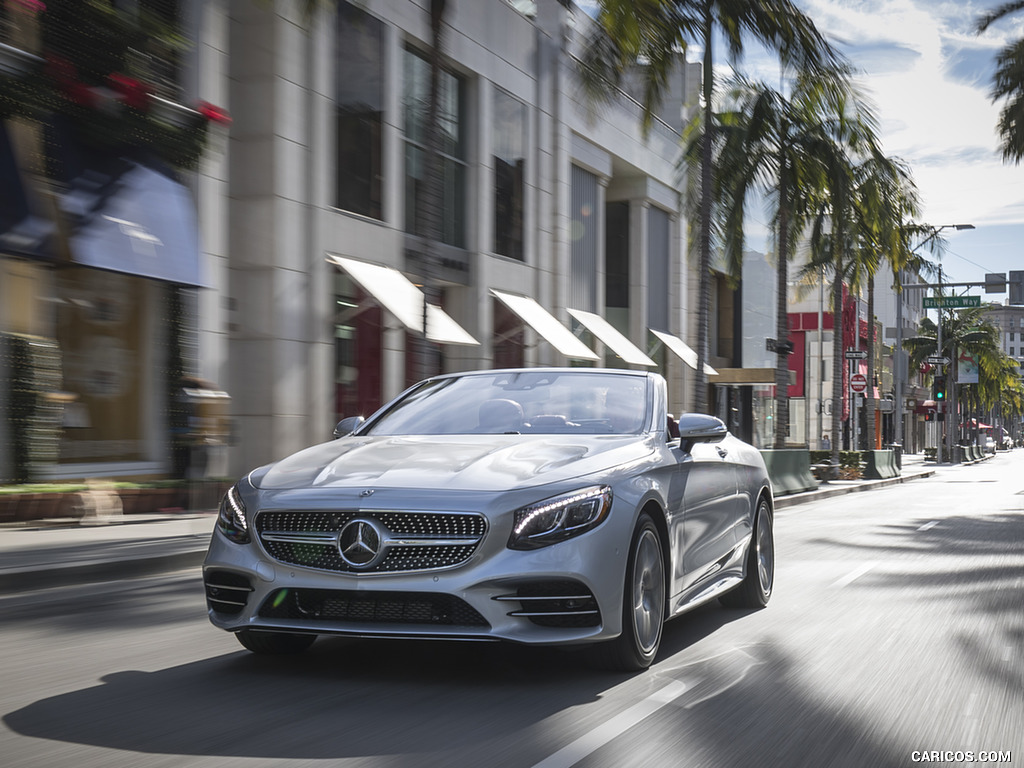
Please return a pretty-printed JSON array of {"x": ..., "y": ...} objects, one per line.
[{"x": 101, "y": 330}]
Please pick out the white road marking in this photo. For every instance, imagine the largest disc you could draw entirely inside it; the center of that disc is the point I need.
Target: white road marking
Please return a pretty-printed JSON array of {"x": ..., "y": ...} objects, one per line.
[
  {"x": 597, "y": 738},
  {"x": 853, "y": 575},
  {"x": 928, "y": 526},
  {"x": 973, "y": 723}
]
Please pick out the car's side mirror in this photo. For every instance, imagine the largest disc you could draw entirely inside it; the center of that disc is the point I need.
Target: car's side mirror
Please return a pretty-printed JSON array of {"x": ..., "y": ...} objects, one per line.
[
  {"x": 347, "y": 426},
  {"x": 700, "y": 428}
]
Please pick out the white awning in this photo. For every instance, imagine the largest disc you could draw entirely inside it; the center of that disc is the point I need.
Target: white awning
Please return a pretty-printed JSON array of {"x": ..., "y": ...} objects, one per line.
[
  {"x": 682, "y": 351},
  {"x": 400, "y": 297},
  {"x": 544, "y": 323},
  {"x": 615, "y": 341}
]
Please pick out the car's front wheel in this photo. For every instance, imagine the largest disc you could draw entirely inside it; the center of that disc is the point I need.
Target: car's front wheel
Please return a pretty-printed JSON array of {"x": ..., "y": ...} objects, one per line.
[
  {"x": 756, "y": 588},
  {"x": 274, "y": 643},
  {"x": 643, "y": 604}
]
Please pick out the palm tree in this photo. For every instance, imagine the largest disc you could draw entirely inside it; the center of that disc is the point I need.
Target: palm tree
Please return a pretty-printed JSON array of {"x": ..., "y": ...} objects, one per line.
[
  {"x": 962, "y": 331},
  {"x": 772, "y": 142},
  {"x": 655, "y": 31},
  {"x": 885, "y": 197},
  {"x": 1008, "y": 84},
  {"x": 837, "y": 223},
  {"x": 429, "y": 213}
]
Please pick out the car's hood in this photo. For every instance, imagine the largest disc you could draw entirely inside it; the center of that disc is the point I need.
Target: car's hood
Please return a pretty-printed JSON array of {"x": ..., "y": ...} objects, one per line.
[{"x": 460, "y": 462}]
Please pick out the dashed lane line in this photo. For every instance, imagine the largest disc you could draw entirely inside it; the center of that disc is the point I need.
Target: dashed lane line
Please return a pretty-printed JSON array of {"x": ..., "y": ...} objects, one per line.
[
  {"x": 606, "y": 732},
  {"x": 853, "y": 575}
]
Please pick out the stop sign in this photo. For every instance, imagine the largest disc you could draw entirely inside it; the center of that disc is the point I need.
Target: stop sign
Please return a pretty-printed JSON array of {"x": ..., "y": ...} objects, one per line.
[{"x": 858, "y": 383}]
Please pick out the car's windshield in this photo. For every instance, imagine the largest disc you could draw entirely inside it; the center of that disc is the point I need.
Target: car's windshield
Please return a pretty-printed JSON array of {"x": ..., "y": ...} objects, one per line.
[{"x": 524, "y": 402}]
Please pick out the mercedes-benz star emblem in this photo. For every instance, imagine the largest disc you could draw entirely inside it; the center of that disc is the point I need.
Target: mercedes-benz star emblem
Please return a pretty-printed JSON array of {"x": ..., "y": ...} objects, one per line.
[
  {"x": 367, "y": 492},
  {"x": 361, "y": 543}
]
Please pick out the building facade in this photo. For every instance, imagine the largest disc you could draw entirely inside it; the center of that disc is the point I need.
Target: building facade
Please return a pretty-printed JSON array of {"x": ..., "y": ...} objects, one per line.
[{"x": 560, "y": 241}]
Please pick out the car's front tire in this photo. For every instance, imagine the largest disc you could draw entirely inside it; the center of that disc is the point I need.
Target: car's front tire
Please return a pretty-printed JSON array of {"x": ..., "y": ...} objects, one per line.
[
  {"x": 756, "y": 588},
  {"x": 643, "y": 604},
  {"x": 274, "y": 643}
]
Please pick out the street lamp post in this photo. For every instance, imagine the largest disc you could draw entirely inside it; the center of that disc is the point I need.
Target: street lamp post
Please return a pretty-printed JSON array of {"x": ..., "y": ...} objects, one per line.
[{"x": 899, "y": 363}]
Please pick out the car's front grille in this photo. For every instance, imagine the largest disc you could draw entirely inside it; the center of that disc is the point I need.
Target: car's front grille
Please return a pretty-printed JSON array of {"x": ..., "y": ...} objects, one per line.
[
  {"x": 362, "y": 607},
  {"x": 226, "y": 592},
  {"x": 558, "y": 603},
  {"x": 411, "y": 541}
]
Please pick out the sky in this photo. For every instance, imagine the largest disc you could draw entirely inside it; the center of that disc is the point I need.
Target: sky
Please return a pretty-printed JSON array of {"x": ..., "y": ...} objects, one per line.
[{"x": 928, "y": 75}]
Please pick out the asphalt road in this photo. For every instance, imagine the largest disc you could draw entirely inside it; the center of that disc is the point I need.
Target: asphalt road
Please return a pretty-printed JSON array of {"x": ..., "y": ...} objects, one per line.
[{"x": 896, "y": 628}]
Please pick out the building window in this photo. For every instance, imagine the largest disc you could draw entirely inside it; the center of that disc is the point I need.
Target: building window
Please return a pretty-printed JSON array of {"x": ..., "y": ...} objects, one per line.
[
  {"x": 1012, "y": 352},
  {"x": 584, "y": 235},
  {"x": 659, "y": 227},
  {"x": 451, "y": 146},
  {"x": 509, "y": 166},
  {"x": 1012, "y": 336},
  {"x": 359, "y": 74},
  {"x": 616, "y": 262}
]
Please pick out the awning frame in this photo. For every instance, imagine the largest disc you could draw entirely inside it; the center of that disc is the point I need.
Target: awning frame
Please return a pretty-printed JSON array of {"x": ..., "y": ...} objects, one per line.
[
  {"x": 397, "y": 294},
  {"x": 546, "y": 325},
  {"x": 682, "y": 350},
  {"x": 610, "y": 336}
]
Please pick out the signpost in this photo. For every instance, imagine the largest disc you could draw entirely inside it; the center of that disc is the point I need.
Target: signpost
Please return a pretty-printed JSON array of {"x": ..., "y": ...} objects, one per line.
[
  {"x": 858, "y": 383},
  {"x": 936, "y": 360},
  {"x": 856, "y": 354},
  {"x": 951, "y": 302}
]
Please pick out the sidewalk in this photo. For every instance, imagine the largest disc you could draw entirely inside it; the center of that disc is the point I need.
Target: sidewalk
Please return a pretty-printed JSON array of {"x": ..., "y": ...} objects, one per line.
[
  {"x": 128, "y": 547},
  {"x": 41, "y": 556}
]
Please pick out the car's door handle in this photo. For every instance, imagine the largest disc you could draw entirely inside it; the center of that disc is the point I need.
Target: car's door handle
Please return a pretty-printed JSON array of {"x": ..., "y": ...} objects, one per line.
[{"x": 722, "y": 452}]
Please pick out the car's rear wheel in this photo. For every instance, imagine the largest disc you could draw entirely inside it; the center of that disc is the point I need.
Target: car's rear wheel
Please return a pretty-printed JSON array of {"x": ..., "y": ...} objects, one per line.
[
  {"x": 756, "y": 588},
  {"x": 274, "y": 643},
  {"x": 643, "y": 604}
]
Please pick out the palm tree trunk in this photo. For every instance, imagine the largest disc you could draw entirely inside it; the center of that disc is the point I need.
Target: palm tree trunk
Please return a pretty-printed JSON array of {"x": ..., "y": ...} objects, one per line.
[
  {"x": 869, "y": 396},
  {"x": 782, "y": 313},
  {"x": 432, "y": 204},
  {"x": 837, "y": 361},
  {"x": 700, "y": 395}
]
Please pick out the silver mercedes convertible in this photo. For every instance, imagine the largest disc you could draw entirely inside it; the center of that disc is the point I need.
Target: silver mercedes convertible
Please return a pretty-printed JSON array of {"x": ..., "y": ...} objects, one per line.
[{"x": 547, "y": 506}]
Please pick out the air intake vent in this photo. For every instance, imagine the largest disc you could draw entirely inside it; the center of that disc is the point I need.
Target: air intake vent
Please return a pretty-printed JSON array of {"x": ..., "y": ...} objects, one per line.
[
  {"x": 367, "y": 607},
  {"x": 226, "y": 592},
  {"x": 562, "y": 603}
]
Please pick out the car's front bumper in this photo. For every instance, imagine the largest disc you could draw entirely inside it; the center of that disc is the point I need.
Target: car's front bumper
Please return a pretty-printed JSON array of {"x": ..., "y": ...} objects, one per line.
[{"x": 568, "y": 592}]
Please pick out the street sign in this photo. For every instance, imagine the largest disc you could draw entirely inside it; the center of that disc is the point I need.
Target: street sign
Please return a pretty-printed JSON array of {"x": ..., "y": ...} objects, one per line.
[
  {"x": 951, "y": 302},
  {"x": 858, "y": 383},
  {"x": 936, "y": 360},
  {"x": 856, "y": 354}
]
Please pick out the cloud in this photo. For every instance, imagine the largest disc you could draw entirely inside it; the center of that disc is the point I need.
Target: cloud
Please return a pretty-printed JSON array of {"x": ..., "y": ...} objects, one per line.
[
  {"x": 881, "y": 58},
  {"x": 971, "y": 65},
  {"x": 955, "y": 155}
]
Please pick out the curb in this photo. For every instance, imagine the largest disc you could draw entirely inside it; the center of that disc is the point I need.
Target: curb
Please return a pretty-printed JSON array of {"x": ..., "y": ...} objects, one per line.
[
  {"x": 781, "y": 502},
  {"x": 20, "y": 581}
]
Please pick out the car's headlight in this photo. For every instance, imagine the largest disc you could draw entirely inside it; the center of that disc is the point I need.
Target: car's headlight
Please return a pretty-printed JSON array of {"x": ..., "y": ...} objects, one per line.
[
  {"x": 560, "y": 518},
  {"x": 232, "y": 520}
]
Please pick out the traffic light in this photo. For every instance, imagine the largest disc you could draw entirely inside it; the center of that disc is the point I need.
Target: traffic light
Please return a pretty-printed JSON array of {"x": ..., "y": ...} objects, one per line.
[
  {"x": 929, "y": 415},
  {"x": 939, "y": 388}
]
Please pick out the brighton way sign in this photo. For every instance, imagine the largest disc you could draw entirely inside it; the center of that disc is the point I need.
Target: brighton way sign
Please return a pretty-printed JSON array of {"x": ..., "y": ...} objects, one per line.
[{"x": 951, "y": 302}]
